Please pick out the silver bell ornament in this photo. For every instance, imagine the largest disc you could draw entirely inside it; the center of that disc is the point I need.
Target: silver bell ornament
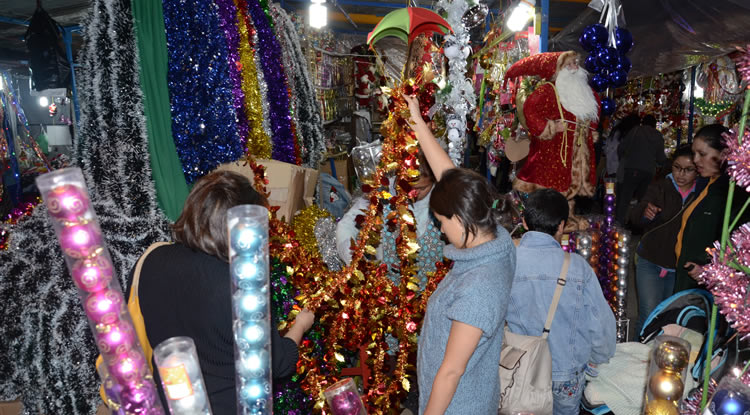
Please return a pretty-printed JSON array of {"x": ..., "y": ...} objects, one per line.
[{"x": 475, "y": 16}]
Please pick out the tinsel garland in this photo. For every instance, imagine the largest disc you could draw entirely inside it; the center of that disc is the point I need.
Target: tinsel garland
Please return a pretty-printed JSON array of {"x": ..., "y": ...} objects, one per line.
[
  {"x": 289, "y": 398},
  {"x": 458, "y": 98},
  {"x": 728, "y": 279},
  {"x": 204, "y": 120},
  {"x": 47, "y": 350},
  {"x": 270, "y": 56},
  {"x": 303, "y": 225},
  {"x": 17, "y": 214},
  {"x": 742, "y": 63},
  {"x": 309, "y": 120},
  {"x": 359, "y": 305},
  {"x": 691, "y": 405},
  {"x": 738, "y": 158},
  {"x": 227, "y": 12},
  {"x": 325, "y": 234},
  {"x": 4, "y": 153},
  {"x": 259, "y": 137}
]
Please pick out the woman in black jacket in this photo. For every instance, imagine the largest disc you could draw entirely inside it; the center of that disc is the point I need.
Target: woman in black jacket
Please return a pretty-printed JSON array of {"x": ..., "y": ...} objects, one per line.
[
  {"x": 185, "y": 290},
  {"x": 703, "y": 218},
  {"x": 659, "y": 213}
]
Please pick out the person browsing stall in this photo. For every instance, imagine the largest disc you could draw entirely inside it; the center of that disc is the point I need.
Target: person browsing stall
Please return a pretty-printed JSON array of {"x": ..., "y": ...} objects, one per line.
[
  {"x": 703, "y": 218},
  {"x": 462, "y": 334},
  {"x": 583, "y": 329},
  {"x": 659, "y": 214},
  {"x": 201, "y": 305}
]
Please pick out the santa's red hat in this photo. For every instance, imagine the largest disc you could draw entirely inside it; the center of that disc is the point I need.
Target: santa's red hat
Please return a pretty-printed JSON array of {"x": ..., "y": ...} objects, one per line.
[{"x": 544, "y": 65}]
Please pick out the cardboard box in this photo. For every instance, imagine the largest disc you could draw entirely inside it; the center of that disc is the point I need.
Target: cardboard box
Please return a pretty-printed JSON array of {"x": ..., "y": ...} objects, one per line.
[
  {"x": 10, "y": 408},
  {"x": 291, "y": 187}
]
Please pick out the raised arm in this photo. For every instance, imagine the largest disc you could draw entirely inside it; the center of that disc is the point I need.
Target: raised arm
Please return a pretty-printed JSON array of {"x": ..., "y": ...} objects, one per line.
[
  {"x": 435, "y": 155},
  {"x": 462, "y": 341}
]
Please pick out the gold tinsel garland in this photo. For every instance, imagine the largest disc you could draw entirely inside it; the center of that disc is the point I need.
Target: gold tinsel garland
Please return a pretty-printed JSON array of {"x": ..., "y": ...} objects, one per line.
[
  {"x": 258, "y": 142},
  {"x": 303, "y": 225},
  {"x": 360, "y": 305}
]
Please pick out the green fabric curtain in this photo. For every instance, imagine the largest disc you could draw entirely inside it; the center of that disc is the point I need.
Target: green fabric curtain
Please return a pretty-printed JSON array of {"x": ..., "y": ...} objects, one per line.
[{"x": 171, "y": 188}]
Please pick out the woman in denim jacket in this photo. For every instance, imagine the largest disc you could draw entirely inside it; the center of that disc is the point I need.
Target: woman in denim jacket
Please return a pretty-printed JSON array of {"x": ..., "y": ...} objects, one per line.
[{"x": 583, "y": 330}]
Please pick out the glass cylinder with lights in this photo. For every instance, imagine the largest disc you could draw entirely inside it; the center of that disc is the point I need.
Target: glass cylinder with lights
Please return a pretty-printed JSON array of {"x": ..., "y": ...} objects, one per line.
[
  {"x": 247, "y": 227},
  {"x": 670, "y": 357},
  {"x": 127, "y": 372},
  {"x": 181, "y": 377}
]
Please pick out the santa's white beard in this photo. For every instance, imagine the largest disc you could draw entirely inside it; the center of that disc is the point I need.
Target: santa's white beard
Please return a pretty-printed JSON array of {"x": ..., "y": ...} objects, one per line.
[{"x": 576, "y": 95}]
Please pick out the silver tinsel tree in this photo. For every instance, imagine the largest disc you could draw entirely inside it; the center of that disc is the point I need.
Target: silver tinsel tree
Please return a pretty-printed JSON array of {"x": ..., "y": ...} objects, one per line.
[{"x": 47, "y": 353}]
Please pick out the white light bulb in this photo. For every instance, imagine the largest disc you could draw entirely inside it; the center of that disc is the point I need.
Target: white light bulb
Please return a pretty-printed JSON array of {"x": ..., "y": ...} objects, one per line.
[
  {"x": 250, "y": 302},
  {"x": 318, "y": 15},
  {"x": 43, "y": 101},
  {"x": 520, "y": 16},
  {"x": 254, "y": 333}
]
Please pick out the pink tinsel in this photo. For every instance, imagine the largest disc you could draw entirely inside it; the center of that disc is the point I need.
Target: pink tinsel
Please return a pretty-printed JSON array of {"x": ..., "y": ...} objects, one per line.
[
  {"x": 742, "y": 62},
  {"x": 692, "y": 404},
  {"x": 738, "y": 158},
  {"x": 728, "y": 285}
]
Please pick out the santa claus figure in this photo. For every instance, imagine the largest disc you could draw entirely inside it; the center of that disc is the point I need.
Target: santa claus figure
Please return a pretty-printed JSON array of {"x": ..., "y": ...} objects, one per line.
[{"x": 562, "y": 116}]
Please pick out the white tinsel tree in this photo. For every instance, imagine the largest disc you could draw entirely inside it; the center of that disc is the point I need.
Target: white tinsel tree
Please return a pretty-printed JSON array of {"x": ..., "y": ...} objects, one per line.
[{"x": 460, "y": 98}]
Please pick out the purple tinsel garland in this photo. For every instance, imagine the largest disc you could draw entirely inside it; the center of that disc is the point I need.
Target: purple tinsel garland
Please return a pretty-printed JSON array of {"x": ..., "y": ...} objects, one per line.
[
  {"x": 278, "y": 99},
  {"x": 227, "y": 12}
]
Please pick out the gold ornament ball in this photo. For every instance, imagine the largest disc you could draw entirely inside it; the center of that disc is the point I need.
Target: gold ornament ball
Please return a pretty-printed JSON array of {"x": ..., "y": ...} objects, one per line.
[
  {"x": 666, "y": 385},
  {"x": 660, "y": 407},
  {"x": 672, "y": 356}
]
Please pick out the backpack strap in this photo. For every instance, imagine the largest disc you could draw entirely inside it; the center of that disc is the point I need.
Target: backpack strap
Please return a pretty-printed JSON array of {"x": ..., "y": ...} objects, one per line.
[
  {"x": 134, "y": 306},
  {"x": 561, "y": 280}
]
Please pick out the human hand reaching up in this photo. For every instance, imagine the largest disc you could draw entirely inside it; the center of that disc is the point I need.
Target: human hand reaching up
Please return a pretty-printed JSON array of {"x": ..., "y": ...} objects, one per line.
[{"x": 414, "y": 111}]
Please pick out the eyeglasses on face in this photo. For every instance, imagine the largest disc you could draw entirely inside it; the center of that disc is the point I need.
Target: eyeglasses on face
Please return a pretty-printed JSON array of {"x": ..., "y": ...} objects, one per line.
[{"x": 683, "y": 170}]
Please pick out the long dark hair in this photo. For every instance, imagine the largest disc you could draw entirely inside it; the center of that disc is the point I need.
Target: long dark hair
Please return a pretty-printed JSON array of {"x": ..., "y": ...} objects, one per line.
[
  {"x": 202, "y": 226},
  {"x": 468, "y": 195}
]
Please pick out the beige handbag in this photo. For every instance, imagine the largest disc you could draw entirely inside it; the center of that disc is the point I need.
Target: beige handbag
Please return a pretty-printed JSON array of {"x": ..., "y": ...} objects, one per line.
[{"x": 526, "y": 364}]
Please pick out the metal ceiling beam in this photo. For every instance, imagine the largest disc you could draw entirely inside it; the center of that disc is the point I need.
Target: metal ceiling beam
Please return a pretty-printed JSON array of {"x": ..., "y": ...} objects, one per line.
[
  {"x": 365, "y": 19},
  {"x": 346, "y": 15},
  {"x": 12, "y": 20}
]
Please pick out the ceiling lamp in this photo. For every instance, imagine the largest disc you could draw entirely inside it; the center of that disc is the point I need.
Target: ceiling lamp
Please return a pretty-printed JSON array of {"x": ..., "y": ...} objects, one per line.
[
  {"x": 43, "y": 101},
  {"x": 318, "y": 14},
  {"x": 521, "y": 15}
]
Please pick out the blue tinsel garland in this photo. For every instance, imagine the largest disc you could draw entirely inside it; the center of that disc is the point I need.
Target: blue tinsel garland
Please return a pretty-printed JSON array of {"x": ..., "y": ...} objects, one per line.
[{"x": 204, "y": 121}]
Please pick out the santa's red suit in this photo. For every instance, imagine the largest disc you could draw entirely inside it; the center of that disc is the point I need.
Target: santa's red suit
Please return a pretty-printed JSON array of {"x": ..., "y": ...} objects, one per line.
[{"x": 563, "y": 161}]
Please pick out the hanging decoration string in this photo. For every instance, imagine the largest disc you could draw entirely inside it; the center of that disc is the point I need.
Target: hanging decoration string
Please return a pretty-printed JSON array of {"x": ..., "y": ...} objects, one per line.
[
  {"x": 258, "y": 138},
  {"x": 269, "y": 51},
  {"x": 204, "y": 120},
  {"x": 227, "y": 11}
]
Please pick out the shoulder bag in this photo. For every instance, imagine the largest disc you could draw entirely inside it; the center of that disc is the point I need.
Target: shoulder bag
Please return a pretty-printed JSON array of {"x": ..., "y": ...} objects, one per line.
[{"x": 526, "y": 364}]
